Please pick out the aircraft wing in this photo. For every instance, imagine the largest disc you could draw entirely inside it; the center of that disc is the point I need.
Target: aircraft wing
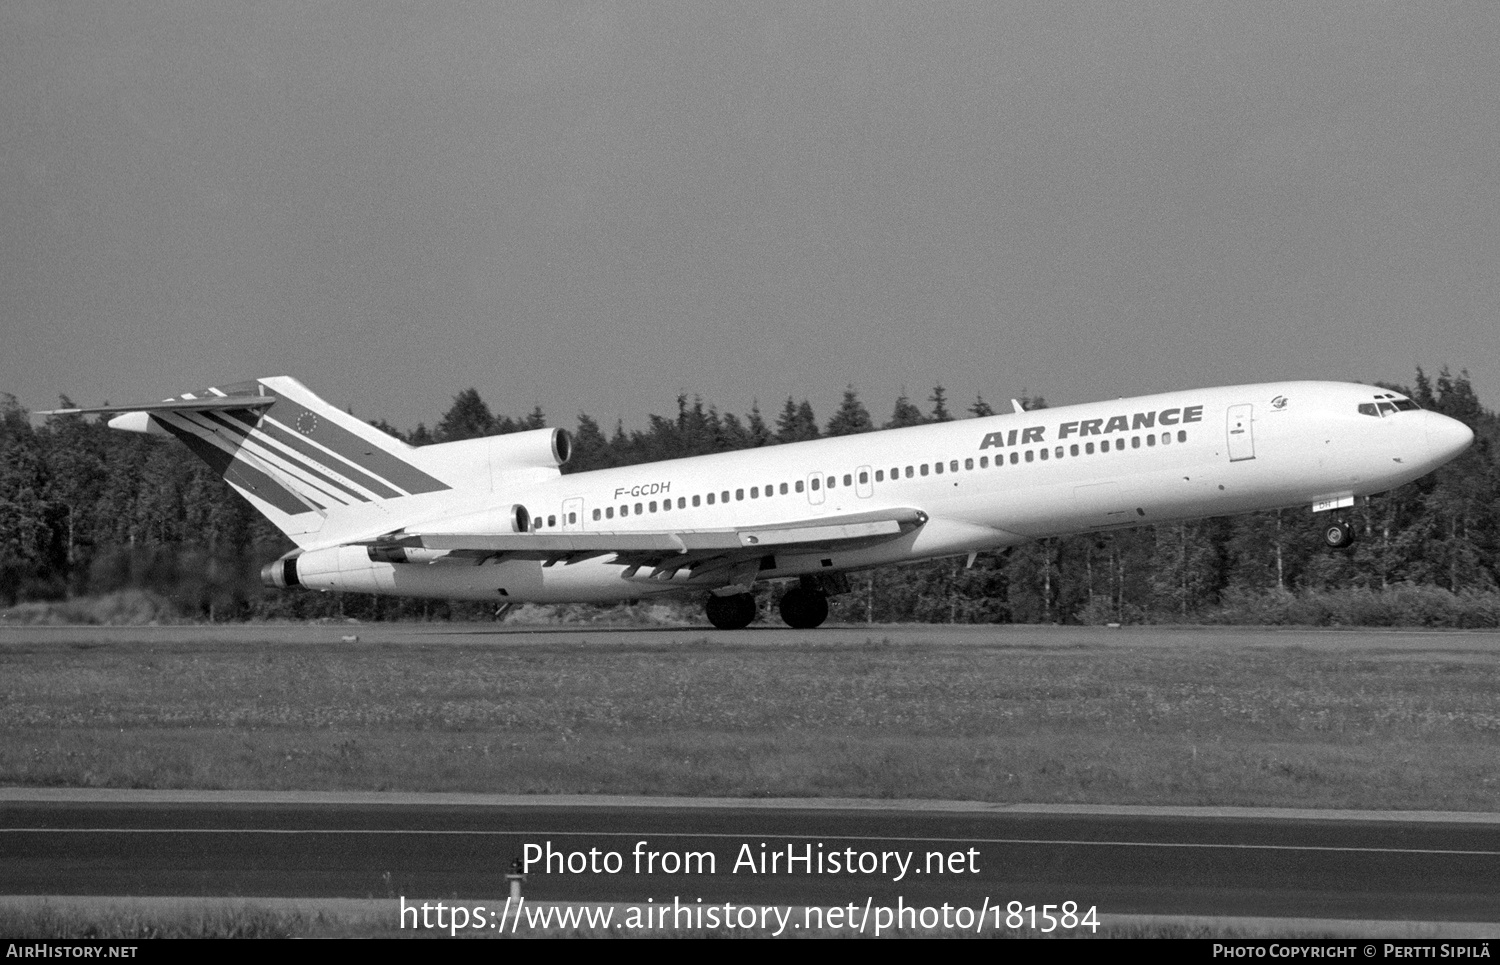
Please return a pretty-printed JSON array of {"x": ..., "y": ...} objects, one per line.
[{"x": 665, "y": 551}]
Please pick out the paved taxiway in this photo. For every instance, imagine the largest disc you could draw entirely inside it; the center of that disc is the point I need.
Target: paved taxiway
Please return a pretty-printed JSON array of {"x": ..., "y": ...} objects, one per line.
[{"x": 1222, "y": 863}]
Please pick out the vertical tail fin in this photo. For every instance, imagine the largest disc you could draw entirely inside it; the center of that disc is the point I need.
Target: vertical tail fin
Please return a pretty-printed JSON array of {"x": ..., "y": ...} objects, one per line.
[{"x": 318, "y": 474}]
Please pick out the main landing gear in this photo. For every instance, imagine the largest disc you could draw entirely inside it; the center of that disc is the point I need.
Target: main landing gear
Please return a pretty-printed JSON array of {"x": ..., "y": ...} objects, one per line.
[
  {"x": 731, "y": 612},
  {"x": 1338, "y": 534},
  {"x": 804, "y": 608}
]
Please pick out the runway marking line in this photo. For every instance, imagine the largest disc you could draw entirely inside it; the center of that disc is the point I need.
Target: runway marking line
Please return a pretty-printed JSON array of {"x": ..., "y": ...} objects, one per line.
[{"x": 769, "y": 837}]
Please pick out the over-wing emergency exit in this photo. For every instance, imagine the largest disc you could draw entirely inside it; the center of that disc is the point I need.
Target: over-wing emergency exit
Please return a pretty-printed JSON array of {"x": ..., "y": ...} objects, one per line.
[{"x": 495, "y": 519}]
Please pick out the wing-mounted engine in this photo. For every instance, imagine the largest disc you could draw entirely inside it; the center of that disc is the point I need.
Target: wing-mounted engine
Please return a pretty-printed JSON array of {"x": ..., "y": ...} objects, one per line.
[{"x": 491, "y": 463}]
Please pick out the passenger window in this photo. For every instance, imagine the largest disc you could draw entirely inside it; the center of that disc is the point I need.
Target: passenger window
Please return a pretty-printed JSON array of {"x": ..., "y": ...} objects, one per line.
[
  {"x": 984, "y": 462},
  {"x": 696, "y": 502},
  {"x": 551, "y": 520},
  {"x": 1182, "y": 435},
  {"x": 783, "y": 489},
  {"x": 880, "y": 475},
  {"x": 848, "y": 480},
  {"x": 924, "y": 468},
  {"x": 1135, "y": 442},
  {"x": 895, "y": 473},
  {"x": 968, "y": 463},
  {"x": 596, "y": 515},
  {"x": 1030, "y": 455},
  {"x": 653, "y": 505},
  {"x": 797, "y": 485},
  {"x": 1059, "y": 452},
  {"x": 682, "y": 502},
  {"x": 937, "y": 467},
  {"x": 953, "y": 465},
  {"x": 1073, "y": 449},
  {"x": 1043, "y": 454},
  {"x": 739, "y": 495},
  {"x": 1166, "y": 437},
  {"x": 666, "y": 504},
  {"x": 624, "y": 511},
  {"x": 609, "y": 512},
  {"x": 710, "y": 499},
  {"x": 832, "y": 481},
  {"x": 1151, "y": 439},
  {"x": 754, "y": 492},
  {"x": 1014, "y": 458},
  {"x": 724, "y": 496},
  {"x": 1088, "y": 448},
  {"x": 637, "y": 509},
  {"x": 909, "y": 472}
]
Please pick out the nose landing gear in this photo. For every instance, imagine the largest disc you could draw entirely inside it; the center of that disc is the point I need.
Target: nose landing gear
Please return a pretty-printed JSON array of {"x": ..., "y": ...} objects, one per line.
[{"x": 1338, "y": 534}]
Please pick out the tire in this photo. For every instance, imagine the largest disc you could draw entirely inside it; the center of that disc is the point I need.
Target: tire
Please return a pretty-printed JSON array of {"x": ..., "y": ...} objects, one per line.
[
  {"x": 802, "y": 610},
  {"x": 1338, "y": 534},
  {"x": 731, "y": 612}
]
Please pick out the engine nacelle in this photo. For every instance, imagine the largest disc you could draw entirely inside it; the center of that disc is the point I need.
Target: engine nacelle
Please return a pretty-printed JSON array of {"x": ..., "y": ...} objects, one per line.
[
  {"x": 514, "y": 518},
  {"x": 488, "y": 463}
]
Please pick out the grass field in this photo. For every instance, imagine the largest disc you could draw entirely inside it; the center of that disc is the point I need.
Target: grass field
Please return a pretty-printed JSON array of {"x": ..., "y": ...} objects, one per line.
[{"x": 1194, "y": 718}]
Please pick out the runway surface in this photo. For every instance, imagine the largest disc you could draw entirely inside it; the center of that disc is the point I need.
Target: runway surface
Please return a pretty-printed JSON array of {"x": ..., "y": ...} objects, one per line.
[
  {"x": 758, "y": 635},
  {"x": 1176, "y": 862}
]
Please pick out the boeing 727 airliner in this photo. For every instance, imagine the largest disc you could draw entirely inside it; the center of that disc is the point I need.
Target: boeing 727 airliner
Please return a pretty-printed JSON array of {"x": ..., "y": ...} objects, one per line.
[{"x": 495, "y": 519}]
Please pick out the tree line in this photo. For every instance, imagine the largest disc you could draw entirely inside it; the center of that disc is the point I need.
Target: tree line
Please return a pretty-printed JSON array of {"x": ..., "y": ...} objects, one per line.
[{"x": 86, "y": 511}]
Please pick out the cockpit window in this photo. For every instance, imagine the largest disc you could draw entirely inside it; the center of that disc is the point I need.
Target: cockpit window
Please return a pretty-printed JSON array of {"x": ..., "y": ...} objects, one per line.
[{"x": 1387, "y": 404}]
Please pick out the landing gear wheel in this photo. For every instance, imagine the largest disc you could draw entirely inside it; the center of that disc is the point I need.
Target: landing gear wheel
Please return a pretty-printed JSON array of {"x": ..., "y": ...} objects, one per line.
[
  {"x": 1338, "y": 534},
  {"x": 804, "y": 609},
  {"x": 731, "y": 612}
]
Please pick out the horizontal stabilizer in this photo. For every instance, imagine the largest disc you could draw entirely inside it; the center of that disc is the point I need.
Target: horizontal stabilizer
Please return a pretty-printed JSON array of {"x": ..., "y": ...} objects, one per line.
[{"x": 175, "y": 405}]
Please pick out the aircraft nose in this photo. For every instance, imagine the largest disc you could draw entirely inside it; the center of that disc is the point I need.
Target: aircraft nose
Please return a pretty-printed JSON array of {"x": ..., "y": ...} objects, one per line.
[{"x": 1446, "y": 437}]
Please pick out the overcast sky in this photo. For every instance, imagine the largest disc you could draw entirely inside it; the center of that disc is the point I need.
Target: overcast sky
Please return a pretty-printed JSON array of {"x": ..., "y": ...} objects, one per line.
[{"x": 593, "y": 207}]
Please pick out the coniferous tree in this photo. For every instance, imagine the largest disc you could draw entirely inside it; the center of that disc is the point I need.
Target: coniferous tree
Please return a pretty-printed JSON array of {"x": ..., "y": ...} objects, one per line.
[
  {"x": 796, "y": 422},
  {"x": 469, "y": 418},
  {"x": 939, "y": 400},
  {"x": 590, "y": 448},
  {"x": 851, "y": 418},
  {"x": 760, "y": 434},
  {"x": 905, "y": 414},
  {"x": 24, "y": 530}
]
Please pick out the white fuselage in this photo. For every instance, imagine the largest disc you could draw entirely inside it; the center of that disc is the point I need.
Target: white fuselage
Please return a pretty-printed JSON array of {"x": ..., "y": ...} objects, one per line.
[{"x": 982, "y": 483}]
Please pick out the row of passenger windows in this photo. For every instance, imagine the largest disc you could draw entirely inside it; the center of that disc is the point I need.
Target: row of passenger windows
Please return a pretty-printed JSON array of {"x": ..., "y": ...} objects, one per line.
[{"x": 848, "y": 479}]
